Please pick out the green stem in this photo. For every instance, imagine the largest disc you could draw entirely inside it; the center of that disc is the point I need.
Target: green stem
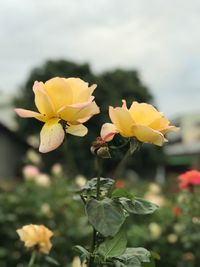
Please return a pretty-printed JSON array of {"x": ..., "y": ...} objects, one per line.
[
  {"x": 32, "y": 259},
  {"x": 98, "y": 168},
  {"x": 94, "y": 236},
  {"x": 122, "y": 164},
  {"x": 120, "y": 168}
]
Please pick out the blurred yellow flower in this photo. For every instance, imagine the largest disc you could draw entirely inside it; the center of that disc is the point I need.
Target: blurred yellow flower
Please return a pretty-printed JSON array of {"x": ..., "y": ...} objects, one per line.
[
  {"x": 60, "y": 100},
  {"x": 36, "y": 236},
  {"x": 77, "y": 262},
  {"x": 141, "y": 120},
  {"x": 155, "y": 230}
]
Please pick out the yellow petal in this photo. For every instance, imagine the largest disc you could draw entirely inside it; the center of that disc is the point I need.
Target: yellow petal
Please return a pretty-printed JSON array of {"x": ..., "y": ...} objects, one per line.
[
  {"x": 76, "y": 114},
  {"x": 108, "y": 131},
  {"x": 78, "y": 130},
  {"x": 145, "y": 134},
  {"x": 159, "y": 123},
  {"x": 59, "y": 91},
  {"x": 24, "y": 113},
  {"x": 42, "y": 100},
  {"x": 122, "y": 120},
  {"x": 162, "y": 125},
  {"x": 51, "y": 135},
  {"x": 143, "y": 113},
  {"x": 80, "y": 90},
  {"x": 169, "y": 129}
]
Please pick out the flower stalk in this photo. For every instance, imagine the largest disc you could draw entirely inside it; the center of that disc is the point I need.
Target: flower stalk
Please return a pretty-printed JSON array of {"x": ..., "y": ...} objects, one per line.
[{"x": 33, "y": 258}]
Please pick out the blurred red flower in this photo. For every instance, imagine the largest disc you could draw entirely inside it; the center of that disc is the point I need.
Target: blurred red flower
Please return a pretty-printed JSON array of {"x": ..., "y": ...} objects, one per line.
[
  {"x": 176, "y": 211},
  {"x": 188, "y": 179},
  {"x": 119, "y": 184}
]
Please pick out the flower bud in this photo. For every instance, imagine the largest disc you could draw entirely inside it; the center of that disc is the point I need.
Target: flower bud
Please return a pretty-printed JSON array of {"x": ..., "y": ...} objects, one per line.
[{"x": 100, "y": 148}]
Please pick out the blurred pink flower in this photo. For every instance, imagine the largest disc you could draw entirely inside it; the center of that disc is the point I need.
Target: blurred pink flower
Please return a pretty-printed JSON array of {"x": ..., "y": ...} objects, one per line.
[{"x": 30, "y": 171}]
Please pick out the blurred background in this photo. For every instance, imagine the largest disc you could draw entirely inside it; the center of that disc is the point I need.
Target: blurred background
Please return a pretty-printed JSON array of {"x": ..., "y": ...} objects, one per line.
[{"x": 147, "y": 51}]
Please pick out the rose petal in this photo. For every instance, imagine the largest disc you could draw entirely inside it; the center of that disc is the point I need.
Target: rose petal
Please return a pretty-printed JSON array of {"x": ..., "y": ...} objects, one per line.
[
  {"x": 121, "y": 118},
  {"x": 143, "y": 113},
  {"x": 42, "y": 100},
  {"x": 77, "y": 130},
  {"x": 108, "y": 131},
  {"x": 25, "y": 113},
  {"x": 73, "y": 114},
  {"x": 80, "y": 90},
  {"x": 82, "y": 105},
  {"x": 59, "y": 91},
  {"x": 146, "y": 134},
  {"x": 51, "y": 135}
]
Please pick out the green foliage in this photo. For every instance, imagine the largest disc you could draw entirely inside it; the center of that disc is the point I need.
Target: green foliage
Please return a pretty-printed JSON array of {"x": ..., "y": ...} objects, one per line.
[
  {"x": 138, "y": 206},
  {"x": 90, "y": 188},
  {"x": 133, "y": 257},
  {"x": 106, "y": 216},
  {"x": 53, "y": 206},
  {"x": 113, "y": 247}
]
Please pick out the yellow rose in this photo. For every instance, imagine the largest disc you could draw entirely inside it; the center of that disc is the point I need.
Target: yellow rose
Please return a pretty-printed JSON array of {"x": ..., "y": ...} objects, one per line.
[
  {"x": 36, "y": 235},
  {"x": 57, "y": 100},
  {"x": 141, "y": 120}
]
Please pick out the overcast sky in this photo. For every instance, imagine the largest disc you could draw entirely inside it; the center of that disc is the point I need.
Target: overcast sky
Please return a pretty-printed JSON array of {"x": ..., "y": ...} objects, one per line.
[{"x": 159, "y": 38}]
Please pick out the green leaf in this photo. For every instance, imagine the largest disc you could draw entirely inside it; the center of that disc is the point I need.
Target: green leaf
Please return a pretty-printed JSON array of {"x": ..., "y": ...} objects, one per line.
[
  {"x": 119, "y": 264},
  {"x": 113, "y": 247},
  {"x": 106, "y": 216},
  {"x": 141, "y": 253},
  {"x": 138, "y": 206},
  {"x": 134, "y": 257},
  {"x": 154, "y": 256},
  {"x": 120, "y": 192},
  {"x": 51, "y": 260},
  {"x": 82, "y": 252},
  {"x": 90, "y": 187}
]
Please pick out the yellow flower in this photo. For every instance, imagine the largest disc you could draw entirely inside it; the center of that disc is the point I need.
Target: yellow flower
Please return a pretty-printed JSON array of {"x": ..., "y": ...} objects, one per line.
[
  {"x": 36, "y": 235},
  {"x": 57, "y": 100},
  {"x": 141, "y": 120}
]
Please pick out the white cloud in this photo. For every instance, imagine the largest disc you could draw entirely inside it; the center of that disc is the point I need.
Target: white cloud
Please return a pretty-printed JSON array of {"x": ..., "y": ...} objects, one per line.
[{"x": 159, "y": 38}]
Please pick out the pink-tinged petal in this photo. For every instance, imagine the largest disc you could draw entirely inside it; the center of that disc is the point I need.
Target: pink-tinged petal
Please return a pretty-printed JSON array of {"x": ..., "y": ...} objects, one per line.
[
  {"x": 77, "y": 130},
  {"x": 124, "y": 105},
  {"x": 51, "y": 135},
  {"x": 82, "y": 105},
  {"x": 84, "y": 119},
  {"x": 25, "y": 113},
  {"x": 148, "y": 135},
  {"x": 42, "y": 100},
  {"x": 92, "y": 88},
  {"x": 169, "y": 129},
  {"x": 122, "y": 120},
  {"x": 162, "y": 125},
  {"x": 108, "y": 131},
  {"x": 74, "y": 114},
  {"x": 159, "y": 123}
]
